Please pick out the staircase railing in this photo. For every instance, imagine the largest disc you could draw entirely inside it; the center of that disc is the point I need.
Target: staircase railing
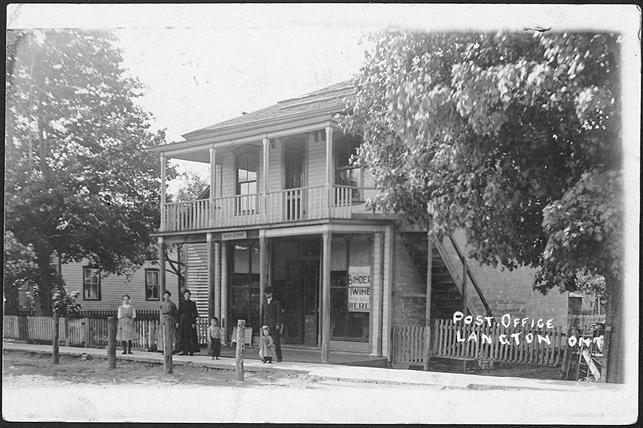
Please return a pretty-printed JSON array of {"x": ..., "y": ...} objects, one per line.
[{"x": 467, "y": 272}]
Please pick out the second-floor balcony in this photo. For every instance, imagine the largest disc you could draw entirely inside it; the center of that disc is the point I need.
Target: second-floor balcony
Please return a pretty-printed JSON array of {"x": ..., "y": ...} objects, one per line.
[{"x": 285, "y": 206}]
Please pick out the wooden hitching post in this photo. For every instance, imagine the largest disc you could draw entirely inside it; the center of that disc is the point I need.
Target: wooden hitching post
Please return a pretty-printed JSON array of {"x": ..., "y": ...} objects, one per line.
[
  {"x": 167, "y": 348},
  {"x": 241, "y": 327},
  {"x": 55, "y": 354},
  {"x": 111, "y": 342}
]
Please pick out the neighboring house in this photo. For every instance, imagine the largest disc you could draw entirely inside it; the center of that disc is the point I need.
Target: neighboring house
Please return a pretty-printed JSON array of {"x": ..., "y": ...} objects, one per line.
[
  {"x": 99, "y": 292},
  {"x": 287, "y": 209}
]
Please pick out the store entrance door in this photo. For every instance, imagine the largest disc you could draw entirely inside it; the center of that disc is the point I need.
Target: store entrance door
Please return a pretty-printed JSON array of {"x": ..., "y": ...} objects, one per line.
[{"x": 301, "y": 302}]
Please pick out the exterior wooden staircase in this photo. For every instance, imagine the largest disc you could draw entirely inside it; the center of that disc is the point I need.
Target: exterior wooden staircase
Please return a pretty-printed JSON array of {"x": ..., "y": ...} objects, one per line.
[{"x": 449, "y": 267}]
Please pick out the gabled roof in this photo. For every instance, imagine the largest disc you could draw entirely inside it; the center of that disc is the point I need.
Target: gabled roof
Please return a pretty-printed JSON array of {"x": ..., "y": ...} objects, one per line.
[{"x": 322, "y": 100}]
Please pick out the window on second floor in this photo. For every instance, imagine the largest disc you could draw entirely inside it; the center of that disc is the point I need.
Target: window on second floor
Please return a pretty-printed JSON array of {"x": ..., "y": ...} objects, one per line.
[
  {"x": 247, "y": 169},
  {"x": 91, "y": 283},
  {"x": 346, "y": 173},
  {"x": 151, "y": 284}
]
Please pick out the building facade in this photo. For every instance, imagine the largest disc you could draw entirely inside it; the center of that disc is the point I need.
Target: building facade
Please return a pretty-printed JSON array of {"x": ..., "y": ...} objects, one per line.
[{"x": 287, "y": 209}]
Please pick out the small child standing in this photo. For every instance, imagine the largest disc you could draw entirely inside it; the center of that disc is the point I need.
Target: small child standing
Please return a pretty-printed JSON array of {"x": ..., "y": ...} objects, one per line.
[
  {"x": 214, "y": 338},
  {"x": 266, "y": 345}
]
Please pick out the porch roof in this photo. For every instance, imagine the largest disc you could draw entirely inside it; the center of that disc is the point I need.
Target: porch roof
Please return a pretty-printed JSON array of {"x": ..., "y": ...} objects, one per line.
[{"x": 325, "y": 101}]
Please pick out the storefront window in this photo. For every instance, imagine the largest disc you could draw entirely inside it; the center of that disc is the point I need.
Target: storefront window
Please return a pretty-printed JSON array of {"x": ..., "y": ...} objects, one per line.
[{"x": 350, "y": 287}]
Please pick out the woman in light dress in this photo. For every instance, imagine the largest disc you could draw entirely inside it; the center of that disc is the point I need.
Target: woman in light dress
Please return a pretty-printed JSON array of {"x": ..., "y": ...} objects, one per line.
[{"x": 126, "y": 328}]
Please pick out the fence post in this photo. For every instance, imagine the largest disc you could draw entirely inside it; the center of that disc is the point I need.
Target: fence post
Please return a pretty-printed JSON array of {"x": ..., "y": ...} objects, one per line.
[
  {"x": 167, "y": 348},
  {"x": 427, "y": 345},
  {"x": 111, "y": 342},
  {"x": 67, "y": 338},
  {"x": 85, "y": 326},
  {"x": 55, "y": 354},
  {"x": 241, "y": 328}
]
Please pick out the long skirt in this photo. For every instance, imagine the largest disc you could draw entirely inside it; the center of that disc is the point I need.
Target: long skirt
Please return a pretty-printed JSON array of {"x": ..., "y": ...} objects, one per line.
[
  {"x": 126, "y": 329},
  {"x": 188, "y": 341}
]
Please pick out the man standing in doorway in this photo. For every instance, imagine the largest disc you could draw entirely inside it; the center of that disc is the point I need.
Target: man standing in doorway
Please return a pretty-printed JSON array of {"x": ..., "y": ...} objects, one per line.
[{"x": 272, "y": 311}]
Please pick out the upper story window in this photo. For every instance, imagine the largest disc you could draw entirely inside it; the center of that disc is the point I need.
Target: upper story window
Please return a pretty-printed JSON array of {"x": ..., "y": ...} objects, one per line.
[
  {"x": 346, "y": 173},
  {"x": 91, "y": 283},
  {"x": 247, "y": 165},
  {"x": 151, "y": 284}
]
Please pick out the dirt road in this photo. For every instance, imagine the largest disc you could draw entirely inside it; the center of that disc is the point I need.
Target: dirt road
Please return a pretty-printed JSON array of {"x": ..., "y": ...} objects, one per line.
[{"x": 79, "y": 390}]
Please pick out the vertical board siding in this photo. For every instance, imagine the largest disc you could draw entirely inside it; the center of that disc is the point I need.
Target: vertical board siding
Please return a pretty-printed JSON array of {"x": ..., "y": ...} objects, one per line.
[{"x": 197, "y": 276}]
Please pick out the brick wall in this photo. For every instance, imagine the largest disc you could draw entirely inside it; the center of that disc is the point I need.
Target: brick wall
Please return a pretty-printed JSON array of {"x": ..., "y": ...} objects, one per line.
[{"x": 512, "y": 291}]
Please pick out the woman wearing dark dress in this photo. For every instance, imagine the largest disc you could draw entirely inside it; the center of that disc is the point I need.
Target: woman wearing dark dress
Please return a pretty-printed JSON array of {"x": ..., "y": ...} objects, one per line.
[{"x": 188, "y": 342}]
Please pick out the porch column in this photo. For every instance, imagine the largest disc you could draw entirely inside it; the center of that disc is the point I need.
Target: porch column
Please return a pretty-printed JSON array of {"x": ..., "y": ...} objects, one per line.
[
  {"x": 163, "y": 198},
  {"x": 263, "y": 270},
  {"x": 217, "y": 280},
  {"x": 161, "y": 251},
  {"x": 224, "y": 286},
  {"x": 325, "y": 344},
  {"x": 376, "y": 308},
  {"x": 388, "y": 287},
  {"x": 264, "y": 175},
  {"x": 213, "y": 188},
  {"x": 211, "y": 276},
  {"x": 329, "y": 168}
]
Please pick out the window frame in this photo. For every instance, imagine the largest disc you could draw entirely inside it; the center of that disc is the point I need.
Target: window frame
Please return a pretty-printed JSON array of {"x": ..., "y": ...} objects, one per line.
[
  {"x": 239, "y": 210},
  {"x": 347, "y": 167},
  {"x": 158, "y": 286},
  {"x": 98, "y": 285}
]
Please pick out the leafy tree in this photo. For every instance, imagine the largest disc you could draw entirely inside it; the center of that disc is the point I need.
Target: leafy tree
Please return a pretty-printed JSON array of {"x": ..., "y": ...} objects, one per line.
[
  {"x": 79, "y": 180},
  {"x": 513, "y": 137},
  {"x": 192, "y": 187}
]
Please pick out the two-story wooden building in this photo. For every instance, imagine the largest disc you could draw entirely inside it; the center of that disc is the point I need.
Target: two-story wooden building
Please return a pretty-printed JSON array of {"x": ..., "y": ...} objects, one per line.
[{"x": 285, "y": 208}]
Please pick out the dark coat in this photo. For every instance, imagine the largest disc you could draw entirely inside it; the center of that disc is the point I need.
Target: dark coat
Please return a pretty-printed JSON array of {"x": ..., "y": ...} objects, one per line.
[{"x": 271, "y": 314}]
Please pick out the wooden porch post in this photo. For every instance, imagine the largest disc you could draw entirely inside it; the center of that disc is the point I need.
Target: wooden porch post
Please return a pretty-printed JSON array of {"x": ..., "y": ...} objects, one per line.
[
  {"x": 329, "y": 168},
  {"x": 264, "y": 175},
  {"x": 325, "y": 345},
  {"x": 213, "y": 188},
  {"x": 161, "y": 251},
  {"x": 211, "y": 274},
  {"x": 429, "y": 287},
  {"x": 217, "y": 280},
  {"x": 163, "y": 197},
  {"x": 224, "y": 286},
  {"x": 263, "y": 270}
]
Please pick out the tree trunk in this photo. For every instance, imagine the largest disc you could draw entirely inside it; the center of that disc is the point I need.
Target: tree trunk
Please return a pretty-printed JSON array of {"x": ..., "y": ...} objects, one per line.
[
  {"x": 614, "y": 348},
  {"x": 44, "y": 281}
]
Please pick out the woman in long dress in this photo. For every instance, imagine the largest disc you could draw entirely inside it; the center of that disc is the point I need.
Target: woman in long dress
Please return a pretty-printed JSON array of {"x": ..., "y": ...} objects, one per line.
[
  {"x": 188, "y": 315},
  {"x": 126, "y": 328}
]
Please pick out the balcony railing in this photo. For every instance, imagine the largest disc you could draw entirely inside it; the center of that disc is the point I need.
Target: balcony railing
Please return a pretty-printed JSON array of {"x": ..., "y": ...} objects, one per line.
[{"x": 290, "y": 205}]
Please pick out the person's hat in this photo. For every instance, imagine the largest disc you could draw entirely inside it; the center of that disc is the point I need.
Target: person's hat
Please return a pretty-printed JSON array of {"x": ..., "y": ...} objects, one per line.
[
  {"x": 167, "y": 292},
  {"x": 187, "y": 291}
]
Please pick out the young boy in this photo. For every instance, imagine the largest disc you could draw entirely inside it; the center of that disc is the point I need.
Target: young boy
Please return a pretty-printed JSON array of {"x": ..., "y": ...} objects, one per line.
[
  {"x": 214, "y": 338},
  {"x": 265, "y": 345}
]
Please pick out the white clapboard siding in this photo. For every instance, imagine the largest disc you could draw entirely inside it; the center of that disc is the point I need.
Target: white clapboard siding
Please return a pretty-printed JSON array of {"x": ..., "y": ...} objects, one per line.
[
  {"x": 114, "y": 286},
  {"x": 228, "y": 175},
  {"x": 274, "y": 167},
  {"x": 316, "y": 164},
  {"x": 197, "y": 276}
]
